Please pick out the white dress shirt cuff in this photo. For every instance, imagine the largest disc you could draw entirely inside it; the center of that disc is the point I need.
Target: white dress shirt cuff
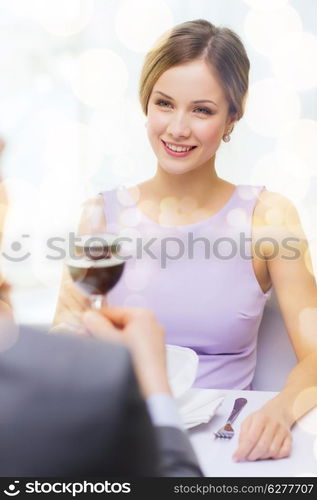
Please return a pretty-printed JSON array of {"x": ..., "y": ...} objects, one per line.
[{"x": 163, "y": 411}]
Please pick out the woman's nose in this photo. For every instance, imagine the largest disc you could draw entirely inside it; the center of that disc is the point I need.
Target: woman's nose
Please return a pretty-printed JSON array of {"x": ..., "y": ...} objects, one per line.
[{"x": 178, "y": 126}]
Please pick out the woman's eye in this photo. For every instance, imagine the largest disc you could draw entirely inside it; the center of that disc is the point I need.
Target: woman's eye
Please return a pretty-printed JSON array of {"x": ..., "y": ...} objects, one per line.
[
  {"x": 163, "y": 104},
  {"x": 204, "y": 111}
]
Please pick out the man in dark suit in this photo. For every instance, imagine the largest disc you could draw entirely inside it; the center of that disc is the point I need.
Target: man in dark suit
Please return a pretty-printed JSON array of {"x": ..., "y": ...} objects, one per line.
[
  {"x": 82, "y": 406},
  {"x": 76, "y": 406}
]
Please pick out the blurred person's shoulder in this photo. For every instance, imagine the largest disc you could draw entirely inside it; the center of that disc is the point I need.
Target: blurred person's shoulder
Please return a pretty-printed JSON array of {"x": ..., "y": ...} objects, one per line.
[{"x": 56, "y": 356}]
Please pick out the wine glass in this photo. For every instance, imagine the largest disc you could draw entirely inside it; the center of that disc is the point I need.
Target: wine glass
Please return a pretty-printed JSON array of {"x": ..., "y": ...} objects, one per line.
[{"x": 96, "y": 266}]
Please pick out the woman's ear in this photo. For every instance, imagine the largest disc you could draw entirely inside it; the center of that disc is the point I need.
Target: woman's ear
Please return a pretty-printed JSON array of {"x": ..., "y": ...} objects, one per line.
[{"x": 232, "y": 119}]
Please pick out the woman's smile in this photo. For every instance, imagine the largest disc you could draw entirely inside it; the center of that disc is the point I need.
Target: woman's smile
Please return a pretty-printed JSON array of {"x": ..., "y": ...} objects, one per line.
[{"x": 177, "y": 150}]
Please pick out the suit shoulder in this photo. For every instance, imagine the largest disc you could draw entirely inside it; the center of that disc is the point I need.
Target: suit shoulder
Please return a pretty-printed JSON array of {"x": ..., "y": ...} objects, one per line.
[{"x": 68, "y": 361}]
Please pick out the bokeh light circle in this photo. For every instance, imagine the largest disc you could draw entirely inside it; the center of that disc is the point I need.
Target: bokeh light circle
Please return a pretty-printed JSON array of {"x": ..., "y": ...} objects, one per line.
[
  {"x": 308, "y": 324},
  {"x": 135, "y": 300},
  {"x": 274, "y": 217},
  {"x": 294, "y": 60},
  {"x": 247, "y": 192},
  {"x": 73, "y": 149},
  {"x": 123, "y": 167},
  {"x": 139, "y": 23},
  {"x": 60, "y": 17},
  {"x": 129, "y": 217},
  {"x": 268, "y": 5},
  {"x": 237, "y": 217},
  {"x": 300, "y": 138},
  {"x": 101, "y": 77},
  {"x": 263, "y": 29},
  {"x": 169, "y": 204},
  {"x": 126, "y": 198},
  {"x": 150, "y": 209},
  {"x": 138, "y": 277},
  {"x": 270, "y": 107},
  {"x": 280, "y": 172}
]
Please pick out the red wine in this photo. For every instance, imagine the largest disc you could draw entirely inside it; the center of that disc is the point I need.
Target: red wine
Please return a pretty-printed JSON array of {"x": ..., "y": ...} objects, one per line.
[
  {"x": 96, "y": 277},
  {"x": 97, "y": 247}
]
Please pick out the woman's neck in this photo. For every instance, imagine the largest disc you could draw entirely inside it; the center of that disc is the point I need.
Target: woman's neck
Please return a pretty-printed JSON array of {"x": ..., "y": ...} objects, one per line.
[
  {"x": 184, "y": 198},
  {"x": 202, "y": 185}
]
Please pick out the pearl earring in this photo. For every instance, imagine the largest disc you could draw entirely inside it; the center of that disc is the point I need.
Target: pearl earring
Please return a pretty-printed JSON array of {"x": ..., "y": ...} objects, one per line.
[{"x": 226, "y": 138}]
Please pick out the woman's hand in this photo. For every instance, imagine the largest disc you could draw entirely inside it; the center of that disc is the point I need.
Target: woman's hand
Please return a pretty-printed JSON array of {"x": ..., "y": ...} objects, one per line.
[
  {"x": 71, "y": 299},
  {"x": 264, "y": 434}
]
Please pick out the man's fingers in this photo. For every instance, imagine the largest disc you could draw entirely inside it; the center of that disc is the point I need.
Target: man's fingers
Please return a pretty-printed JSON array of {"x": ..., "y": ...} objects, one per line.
[
  {"x": 100, "y": 327},
  {"x": 69, "y": 328},
  {"x": 121, "y": 315}
]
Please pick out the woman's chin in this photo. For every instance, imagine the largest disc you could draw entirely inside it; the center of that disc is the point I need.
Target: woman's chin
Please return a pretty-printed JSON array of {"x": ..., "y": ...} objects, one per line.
[{"x": 175, "y": 169}]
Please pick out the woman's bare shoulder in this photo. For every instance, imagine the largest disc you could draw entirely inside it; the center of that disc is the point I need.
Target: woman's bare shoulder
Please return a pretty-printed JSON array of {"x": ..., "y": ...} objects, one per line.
[
  {"x": 274, "y": 206},
  {"x": 275, "y": 215}
]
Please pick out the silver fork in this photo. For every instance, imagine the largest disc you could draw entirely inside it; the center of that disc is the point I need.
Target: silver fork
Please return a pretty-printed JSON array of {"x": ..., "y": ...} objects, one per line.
[{"x": 227, "y": 431}]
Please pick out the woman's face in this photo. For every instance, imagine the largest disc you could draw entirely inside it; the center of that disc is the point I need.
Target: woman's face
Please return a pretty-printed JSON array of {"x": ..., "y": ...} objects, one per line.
[{"x": 187, "y": 109}]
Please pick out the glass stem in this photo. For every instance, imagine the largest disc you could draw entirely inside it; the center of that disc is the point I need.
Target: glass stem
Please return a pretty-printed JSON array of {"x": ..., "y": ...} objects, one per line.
[{"x": 96, "y": 301}]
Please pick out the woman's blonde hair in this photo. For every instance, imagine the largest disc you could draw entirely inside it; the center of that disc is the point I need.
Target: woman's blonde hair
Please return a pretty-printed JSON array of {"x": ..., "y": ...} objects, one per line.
[{"x": 221, "y": 48}]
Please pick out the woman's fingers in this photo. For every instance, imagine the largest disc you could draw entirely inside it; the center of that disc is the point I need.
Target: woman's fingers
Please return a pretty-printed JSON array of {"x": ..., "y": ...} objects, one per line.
[
  {"x": 275, "y": 445},
  {"x": 269, "y": 439},
  {"x": 250, "y": 432},
  {"x": 72, "y": 298},
  {"x": 263, "y": 437},
  {"x": 70, "y": 301},
  {"x": 286, "y": 447}
]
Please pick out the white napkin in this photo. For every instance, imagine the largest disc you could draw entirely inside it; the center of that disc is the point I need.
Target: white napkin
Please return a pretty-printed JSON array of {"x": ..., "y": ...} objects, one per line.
[
  {"x": 182, "y": 366},
  {"x": 197, "y": 406}
]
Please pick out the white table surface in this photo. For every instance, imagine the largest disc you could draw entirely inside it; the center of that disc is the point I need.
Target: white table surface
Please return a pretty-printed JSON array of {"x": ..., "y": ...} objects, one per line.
[{"x": 215, "y": 455}]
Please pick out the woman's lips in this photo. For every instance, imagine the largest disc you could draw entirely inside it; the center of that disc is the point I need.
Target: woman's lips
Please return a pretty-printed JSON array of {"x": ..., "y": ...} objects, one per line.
[{"x": 177, "y": 154}]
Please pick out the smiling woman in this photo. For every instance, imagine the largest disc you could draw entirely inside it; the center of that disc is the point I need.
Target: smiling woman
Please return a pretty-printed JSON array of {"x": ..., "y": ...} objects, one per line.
[
  {"x": 184, "y": 127},
  {"x": 193, "y": 88}
]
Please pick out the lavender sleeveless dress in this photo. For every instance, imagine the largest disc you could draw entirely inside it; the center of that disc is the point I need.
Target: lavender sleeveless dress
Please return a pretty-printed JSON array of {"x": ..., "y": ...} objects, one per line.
[{"x": 199, "y": 281}]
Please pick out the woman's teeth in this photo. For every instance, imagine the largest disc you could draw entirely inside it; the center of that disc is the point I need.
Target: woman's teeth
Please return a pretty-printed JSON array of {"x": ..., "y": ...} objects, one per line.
[{"x": 178, "y": 149}]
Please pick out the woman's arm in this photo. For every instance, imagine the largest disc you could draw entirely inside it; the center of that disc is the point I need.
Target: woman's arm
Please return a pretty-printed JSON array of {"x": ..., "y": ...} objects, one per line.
[
  {"x": 71, "y": 300},
  {"x": 266, "y": 433}
]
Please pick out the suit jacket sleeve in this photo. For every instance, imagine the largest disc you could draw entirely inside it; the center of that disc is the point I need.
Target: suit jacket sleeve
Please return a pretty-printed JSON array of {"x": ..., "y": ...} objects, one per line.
[{"x": 71, "y": 407}]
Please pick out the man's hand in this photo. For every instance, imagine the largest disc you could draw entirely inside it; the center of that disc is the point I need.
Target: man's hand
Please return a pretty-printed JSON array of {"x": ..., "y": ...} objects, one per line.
[{"x": 142, "y": 334}]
